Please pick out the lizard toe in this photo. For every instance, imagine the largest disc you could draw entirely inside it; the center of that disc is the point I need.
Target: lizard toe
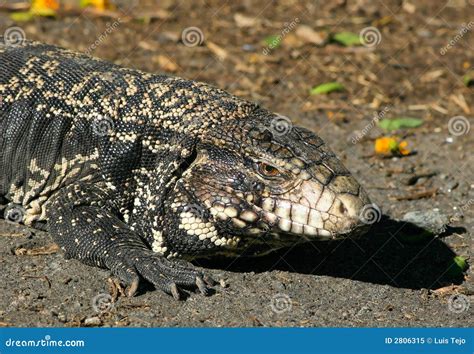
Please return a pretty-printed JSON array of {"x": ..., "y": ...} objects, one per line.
[
  {"x": 128, "y": 275},
  {"x": 170, "y": 276}
]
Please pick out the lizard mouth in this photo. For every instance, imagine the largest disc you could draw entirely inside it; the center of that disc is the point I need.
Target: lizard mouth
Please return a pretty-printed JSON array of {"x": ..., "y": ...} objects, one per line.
[
  {"x": 310, "y": 212},
  {"x": 282, "y": 216},
  {"x": 314, "y": 212}
]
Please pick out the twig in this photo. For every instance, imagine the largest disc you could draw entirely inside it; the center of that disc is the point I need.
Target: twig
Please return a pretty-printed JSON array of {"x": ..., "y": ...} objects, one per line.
[{"x": 419, "y": 195}]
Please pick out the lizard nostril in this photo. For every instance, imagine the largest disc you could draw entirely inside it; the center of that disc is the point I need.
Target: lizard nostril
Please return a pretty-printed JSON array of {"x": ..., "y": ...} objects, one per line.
[
  {"x": 342, "y": 209},
  {"x": 258, "y": 186}
]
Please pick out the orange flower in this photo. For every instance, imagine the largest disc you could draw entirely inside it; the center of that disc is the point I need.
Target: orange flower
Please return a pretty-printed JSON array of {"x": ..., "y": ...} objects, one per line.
[
  {"x": 402, "y": 148},
  {"x": 100, "y": 5},
  {"x": 44, "y": 7},
  {"x": 391, "y": 146}
]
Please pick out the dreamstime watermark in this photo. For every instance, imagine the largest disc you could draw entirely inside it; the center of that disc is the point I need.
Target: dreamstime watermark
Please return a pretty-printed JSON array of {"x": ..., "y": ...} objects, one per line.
[
  {"x": 458, "y": 303},
  {"x": 376, "y": 118},
  {"x": 461, "y": 33},
  {"x": 14, "y": 36},
  {"x": 102, "y": 303},
  {"x": 126, "y": 6},
  {"x": 281, "y": 303},
  {"x": 102, "y": 126},
  {"x": 102, "y": 37},
  {"x": 192, "y": 36},
  {"x": 43, "y": 342},
  {"x": 370, "y": 214},
  {"x": 193, "y": 210},
  {"x": 14, "y": 213},
  {"x": 281, "y": 125},
  {"x": 278, "y": 38},
  {"x": 370, "y": 36},
  {"x": 458, "y": 126},
  {"x": 463, "y": 208}
]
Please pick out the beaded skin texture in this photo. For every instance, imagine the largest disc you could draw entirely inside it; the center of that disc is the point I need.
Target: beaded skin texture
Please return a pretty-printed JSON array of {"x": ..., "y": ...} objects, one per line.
[{"x": 140, "y": 173}]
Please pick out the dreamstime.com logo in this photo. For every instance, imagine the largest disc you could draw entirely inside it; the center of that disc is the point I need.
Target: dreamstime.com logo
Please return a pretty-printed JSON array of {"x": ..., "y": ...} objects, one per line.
[
  {"x": 281, "y": 125},
  {"x": 103, "y": 36},
  {"x": 465, "y": 28},
  {"x": 14, "y": 213},
  {"x": 102, "y": 126},
  {"x": 192, "y": 36},
  {"x": 193, "y": 210},
  {"x": 281, "y": 303},
  {"x": 376, "y": 118},
  {"x": 458, "y": 126},
  {"x": 103, "y": 303},
  {"x": 370, "y": 214},
  {"x": 44, "y": 342},
  {"x": 275, "y": 42},
  {"x": 370, "y": 36},
  {"x": 458, "y": 303},
  {"x": 14, "y": 36},
  {"x": 463, "y": 208}
]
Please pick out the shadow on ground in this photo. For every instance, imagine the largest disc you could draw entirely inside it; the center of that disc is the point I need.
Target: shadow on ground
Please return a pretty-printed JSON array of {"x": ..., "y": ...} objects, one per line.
[{"x": 392, "y": 253}]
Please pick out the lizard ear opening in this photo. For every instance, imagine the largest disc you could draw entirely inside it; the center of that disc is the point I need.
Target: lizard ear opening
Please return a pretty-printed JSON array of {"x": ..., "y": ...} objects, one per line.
[{"x": 186, "y": 162}]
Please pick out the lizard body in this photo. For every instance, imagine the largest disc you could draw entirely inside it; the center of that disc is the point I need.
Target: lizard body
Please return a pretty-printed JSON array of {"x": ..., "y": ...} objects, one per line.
[{"x": 130, "y": 171}]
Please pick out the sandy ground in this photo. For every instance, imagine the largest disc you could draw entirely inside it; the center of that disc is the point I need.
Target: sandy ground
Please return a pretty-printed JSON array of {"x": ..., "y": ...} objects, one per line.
[{"x": 394, "y": 276}]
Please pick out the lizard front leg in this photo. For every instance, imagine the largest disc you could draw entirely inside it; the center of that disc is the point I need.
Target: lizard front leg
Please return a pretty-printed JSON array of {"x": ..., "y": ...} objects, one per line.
[{"x": 86, "y": 225}]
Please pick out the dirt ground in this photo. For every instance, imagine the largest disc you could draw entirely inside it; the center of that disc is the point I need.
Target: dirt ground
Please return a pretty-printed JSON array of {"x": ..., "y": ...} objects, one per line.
[{"x": 395, "y": 275}]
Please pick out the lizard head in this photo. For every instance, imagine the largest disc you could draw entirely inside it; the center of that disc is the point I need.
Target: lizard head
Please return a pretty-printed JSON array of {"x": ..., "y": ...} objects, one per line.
[{"x": 265, "y": 180}]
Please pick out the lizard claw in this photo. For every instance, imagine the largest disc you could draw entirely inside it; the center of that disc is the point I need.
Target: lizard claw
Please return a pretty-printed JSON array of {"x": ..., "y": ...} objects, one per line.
[
  {"x": 167, "y": 275},
  {"x": 202, "y": 286},
  {"x": 132, "y": 288},
  {"x": 174, "y": 290},
  {"x": 209, "y": 281}
]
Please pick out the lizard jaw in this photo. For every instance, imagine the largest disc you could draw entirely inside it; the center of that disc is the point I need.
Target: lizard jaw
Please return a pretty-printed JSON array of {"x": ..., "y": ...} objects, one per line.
[{"x": 314, "y": 212}]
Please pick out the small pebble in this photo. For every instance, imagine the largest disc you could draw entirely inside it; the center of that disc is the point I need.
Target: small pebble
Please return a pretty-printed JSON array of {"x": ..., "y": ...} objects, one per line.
[
  {"x": 451, "y": 186},
  {"x": 431, "y": 220},
  {"x": 425, "y": 33},
  {"x": 92, "y": 321},
  {"x": 279, "y": 285},
  {"x": 248, "y": 48},
  {"x": 363, "y": 310}
]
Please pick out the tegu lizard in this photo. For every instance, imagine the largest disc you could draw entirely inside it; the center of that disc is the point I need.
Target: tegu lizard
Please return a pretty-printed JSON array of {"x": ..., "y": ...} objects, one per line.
[{"x": 132, "y": 171}]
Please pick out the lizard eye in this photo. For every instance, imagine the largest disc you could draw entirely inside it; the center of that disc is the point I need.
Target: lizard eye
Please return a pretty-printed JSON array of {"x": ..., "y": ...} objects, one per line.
[{"x": 267, "y": 170}]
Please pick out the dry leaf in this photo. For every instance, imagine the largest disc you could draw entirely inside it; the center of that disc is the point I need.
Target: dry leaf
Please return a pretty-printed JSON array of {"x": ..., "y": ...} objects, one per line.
[
  {"x": 171, "y": 36},
  {"x": 293, "y": 41},
  {"x": 245, "y": 67},
  {"x": 49, "y": 249},
  {"x": 148, "y": 45},
  {"x": 166, "y": 63},
  {"x": 311, "y": 36},
  {"x": 219, "y": 52},
  {"x": 409, "y": 7},
  {"x": 449, "y": 290},
  {"x": 461, "y": 102},
  {"x": 245, "y": 21},
  {"x": 156, "y": 14},
  {"x": 432, "y": 75}
]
